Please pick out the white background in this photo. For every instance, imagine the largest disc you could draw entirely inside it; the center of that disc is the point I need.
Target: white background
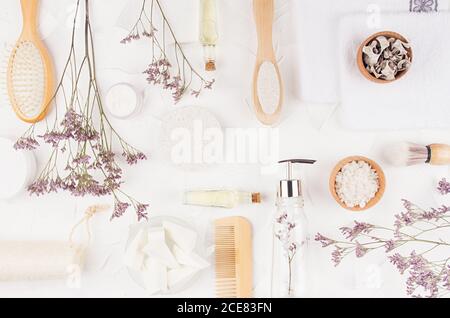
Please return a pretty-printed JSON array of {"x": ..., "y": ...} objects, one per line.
[{"x": 309, "y": 131}]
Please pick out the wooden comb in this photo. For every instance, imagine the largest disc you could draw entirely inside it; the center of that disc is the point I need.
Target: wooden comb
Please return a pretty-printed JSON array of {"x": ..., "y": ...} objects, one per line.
[{"x": 234, "y": 254}]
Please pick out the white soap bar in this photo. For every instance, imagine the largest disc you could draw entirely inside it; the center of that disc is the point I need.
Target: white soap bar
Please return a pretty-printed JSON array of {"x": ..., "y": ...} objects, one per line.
[
  {"x": 185, "y": 238},
  {"x": 134, "y": 256},
  {"x": 160, "y": 251},
  {"x": 154, "y": 276},
  {"x": 189, "y": 259},
  {"x": 180, "y": 277}
]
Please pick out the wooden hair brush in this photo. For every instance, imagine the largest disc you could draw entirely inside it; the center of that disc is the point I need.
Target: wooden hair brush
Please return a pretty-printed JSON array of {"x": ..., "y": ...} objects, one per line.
[
  {"x": 267, "y": 83},
  {"x": 234, "y": 254},
  {"x": 30, "y": 71}
]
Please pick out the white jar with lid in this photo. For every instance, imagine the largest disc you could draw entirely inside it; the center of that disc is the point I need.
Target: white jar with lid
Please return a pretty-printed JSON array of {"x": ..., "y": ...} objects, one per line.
[
  {"x": 123, "y": 101},
  {"x": 19, "y": 169}
]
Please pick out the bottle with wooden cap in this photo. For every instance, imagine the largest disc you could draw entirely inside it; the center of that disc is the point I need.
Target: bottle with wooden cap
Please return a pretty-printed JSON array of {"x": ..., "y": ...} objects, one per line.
[
  {"x": 220, "y": 198},
  {"x": 290, "y": 237},
  {"x": 208, "y": 32}
]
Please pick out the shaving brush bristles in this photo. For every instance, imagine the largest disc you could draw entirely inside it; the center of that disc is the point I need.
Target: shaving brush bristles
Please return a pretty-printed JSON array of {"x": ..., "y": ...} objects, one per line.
[{"x": 408, "y": 154}]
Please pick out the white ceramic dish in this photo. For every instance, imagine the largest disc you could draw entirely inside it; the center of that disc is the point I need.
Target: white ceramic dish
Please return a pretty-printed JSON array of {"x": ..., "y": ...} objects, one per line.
[{"x": 19, "y": 169}]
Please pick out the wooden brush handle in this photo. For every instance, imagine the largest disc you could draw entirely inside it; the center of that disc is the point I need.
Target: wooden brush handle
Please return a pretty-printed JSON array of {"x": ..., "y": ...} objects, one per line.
[
  {"x": 264, "y": 12},
  {"x": 440, "y": 154},
  {"x": 29, "y": 14}
]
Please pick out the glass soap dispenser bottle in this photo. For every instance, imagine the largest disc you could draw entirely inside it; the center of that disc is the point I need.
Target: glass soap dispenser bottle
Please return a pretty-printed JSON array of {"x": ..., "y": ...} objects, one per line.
[{"x": 290, "y": 237}]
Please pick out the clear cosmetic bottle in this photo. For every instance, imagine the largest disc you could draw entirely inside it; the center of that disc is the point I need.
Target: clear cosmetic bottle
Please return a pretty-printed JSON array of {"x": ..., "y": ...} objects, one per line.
[
  {"x": 208, "y": 32},
  {"x": 220, "y": 198},
  {"x": 290, "y": 238}
]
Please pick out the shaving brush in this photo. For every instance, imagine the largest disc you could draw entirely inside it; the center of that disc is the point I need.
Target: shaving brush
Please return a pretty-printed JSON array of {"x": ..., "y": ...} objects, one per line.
[{"x": 409, "y": 154}]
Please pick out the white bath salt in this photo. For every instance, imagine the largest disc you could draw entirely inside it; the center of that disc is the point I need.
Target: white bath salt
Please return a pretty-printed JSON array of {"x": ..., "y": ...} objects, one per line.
[{"x": 356, "y": 184}]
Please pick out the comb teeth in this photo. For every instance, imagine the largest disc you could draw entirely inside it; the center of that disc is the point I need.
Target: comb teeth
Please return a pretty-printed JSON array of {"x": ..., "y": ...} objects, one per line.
[
  {"x": 233, "y": 258},
  {"x": 27, "y": 79}
]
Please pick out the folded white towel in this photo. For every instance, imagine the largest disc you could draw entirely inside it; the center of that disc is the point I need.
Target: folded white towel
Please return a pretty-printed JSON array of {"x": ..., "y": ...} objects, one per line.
[
  {"x": 317, "y": 38},
  {"x": 421, "y": 99}
]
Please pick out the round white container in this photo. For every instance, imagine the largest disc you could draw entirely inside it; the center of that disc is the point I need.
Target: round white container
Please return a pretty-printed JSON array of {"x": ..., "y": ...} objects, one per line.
[
  {"x": 19, "y": 169},
  {"x": 123, "y": 101}
]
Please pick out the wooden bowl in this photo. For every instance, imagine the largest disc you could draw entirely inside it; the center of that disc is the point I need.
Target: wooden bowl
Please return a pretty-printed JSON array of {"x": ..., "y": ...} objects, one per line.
[
  {"x": 360, "y": 59},
  {"x": 381, "y": 181}
]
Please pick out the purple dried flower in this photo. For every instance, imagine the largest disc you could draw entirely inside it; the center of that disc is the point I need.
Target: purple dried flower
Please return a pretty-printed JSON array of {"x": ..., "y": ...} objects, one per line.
[
  {"x": 119, "y": 209},
  {"x": 133, "y": 158},
  {"x": 325, "y": 241},
  {"x": 412, "y": 214},
  {"x": 400, "y": 262},
  {"x": 360, "y": 250},
  {"x": 142, "y": 212},
  {"x": 435, "y": 214},
  {"x": 358, "y": 228},
  {"x": 282, "y": 218},
  {"x": 337, "y": 256},
  {"x": 82, "y": 160},
  {"x": 390, "y": 246},
  {"x": 444, "y": 187},
  {"x": 446, "y": 278},
  {"x": 425, "y": 279},
  {"x": 39, "y": 187},
  {"x": 53, "y": 138},
  {"x": 209, "y": 84},
  {"x": 26, "y": 143},
  {"x": 293, "y": 248}
]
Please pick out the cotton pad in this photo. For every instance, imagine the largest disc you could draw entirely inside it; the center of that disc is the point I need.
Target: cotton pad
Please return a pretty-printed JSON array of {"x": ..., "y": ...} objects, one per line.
[
  {"x": 181, "y": 276},
  {"x": 189, "y": 259},
  {"x": 185, "y": 238},
  {"x": 162, "y": 256},
  {"x": 134, "y": 256},
  {"x": 160, "y": 251},
  {"x": 154, "y": 276}
]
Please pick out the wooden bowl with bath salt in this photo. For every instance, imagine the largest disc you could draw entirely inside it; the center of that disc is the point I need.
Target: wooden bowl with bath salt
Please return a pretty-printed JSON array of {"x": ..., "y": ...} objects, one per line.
[
  {"x": 362, "y": 64},
  {"x": 381, "y": 183}
]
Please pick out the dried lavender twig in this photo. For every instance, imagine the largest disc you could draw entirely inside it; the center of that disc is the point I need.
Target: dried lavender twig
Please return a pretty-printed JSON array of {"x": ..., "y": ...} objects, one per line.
[
  {"x": 160, "y": 71},
  {"x": 82, "y": 140},
  {"x": 427, "y": 277}
]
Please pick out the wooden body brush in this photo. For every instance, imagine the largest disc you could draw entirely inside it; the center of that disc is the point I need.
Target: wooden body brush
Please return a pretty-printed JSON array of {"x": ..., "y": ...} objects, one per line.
[
  {"x": 30, "y": 71},
  {"x": 267, "y": 84},
  {"x": 234, "y": 254},
  {"x": 409, "y": 154}
]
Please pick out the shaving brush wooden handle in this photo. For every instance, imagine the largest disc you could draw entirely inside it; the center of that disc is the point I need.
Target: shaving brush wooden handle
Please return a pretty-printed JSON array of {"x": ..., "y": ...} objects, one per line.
[{"x": 440, "y": 154}]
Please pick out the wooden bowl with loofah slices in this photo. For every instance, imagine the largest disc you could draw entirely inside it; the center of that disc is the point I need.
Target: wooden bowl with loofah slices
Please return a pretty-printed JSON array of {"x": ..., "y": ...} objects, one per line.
[{"x": 384, "y": 57}]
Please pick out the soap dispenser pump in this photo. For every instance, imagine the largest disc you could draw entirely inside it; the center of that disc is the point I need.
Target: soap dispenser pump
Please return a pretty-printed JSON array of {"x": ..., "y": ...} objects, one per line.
[{"x": 290, "y": 238}]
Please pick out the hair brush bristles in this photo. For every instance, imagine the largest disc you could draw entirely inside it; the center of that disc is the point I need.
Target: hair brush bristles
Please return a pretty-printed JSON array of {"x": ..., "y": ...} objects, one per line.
[{"x": 408, "y": 154}]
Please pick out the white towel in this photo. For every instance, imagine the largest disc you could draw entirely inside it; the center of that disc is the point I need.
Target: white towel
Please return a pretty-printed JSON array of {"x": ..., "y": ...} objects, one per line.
[
  {"x": 317, "y": 33},
  {"x": 421, "y": 99}
]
